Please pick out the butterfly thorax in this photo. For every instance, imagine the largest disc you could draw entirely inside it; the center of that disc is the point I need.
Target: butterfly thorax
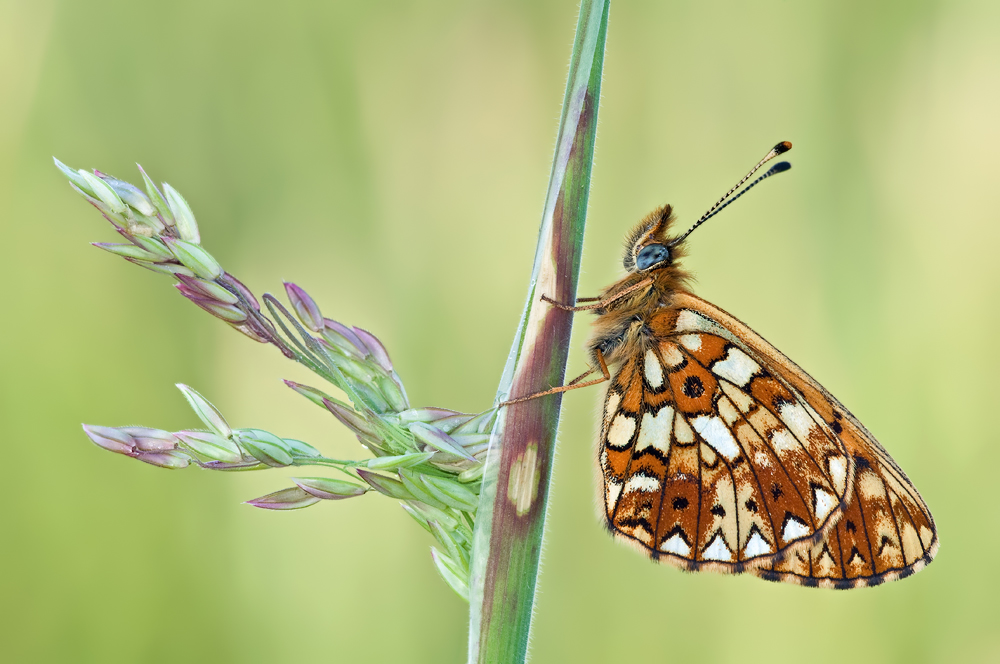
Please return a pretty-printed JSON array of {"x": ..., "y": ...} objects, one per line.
[{"x": 624, "y": 327}]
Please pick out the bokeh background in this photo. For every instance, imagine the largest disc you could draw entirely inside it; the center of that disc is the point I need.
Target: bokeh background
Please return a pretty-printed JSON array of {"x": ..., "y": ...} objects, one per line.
[{"x": 392, "y": 157}]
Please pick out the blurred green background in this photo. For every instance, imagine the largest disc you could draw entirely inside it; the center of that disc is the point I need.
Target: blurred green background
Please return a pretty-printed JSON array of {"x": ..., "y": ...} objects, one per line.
[{"x": 392, "y": 158}]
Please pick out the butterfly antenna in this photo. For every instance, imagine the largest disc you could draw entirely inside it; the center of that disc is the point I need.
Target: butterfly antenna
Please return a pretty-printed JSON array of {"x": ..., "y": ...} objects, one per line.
[{"x": 780, "y": 148}]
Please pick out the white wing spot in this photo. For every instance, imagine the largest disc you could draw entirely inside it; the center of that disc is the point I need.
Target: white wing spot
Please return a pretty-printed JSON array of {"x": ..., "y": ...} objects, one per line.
[
  {"x": 825, "y": 502},
  {"x": 655, "y": 430},
  {"x": 742, "y": 400},
  {"x": 737, "y": 368},
  {"x": 718, "y": 550},
  {"x": 689, "y": 321},
  {"x": 762, "y": 459},
  {"x": 682, "y": 431},
  {"x": 614, "y": 490},
  {"x": 838, "y": 471},
  {"x": 692, "y": 342},
  {"x": 870, "y": 485},
  {"x": 676, "y": 545},
  {"x": 716, "y": 433},
  {"x": 653, "y": 370},
  {"x": 621, "y": 431},
  {"x": 611, "y": 407},
  {"x": 794, "y": 528},
  {"x": 640, "y": 482},
  {"x": 756, "y": 546},
  {"x": 797, "y": 419},
  {"x": 671, "y": 354},
  {"x": 782, "y": 441}
]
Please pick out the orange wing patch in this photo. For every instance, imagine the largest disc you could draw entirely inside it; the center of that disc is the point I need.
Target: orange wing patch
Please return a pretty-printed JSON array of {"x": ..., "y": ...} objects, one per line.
[
  {"x": 710, "y": 473},
  {"x": 885, "y": 531}
]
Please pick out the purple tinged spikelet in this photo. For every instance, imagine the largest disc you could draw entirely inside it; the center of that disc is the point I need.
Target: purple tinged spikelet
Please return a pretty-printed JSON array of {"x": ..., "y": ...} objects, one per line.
[
  {"x": 226, "y": 312},
  {"x": 244, "y": 291},
  {"x": 151, "y": 440},
  {"x": 338, "y": 334},
  {"x": 305, "y": 307},
  {"x": 425, "y": 414},
  {"x": 171, "y": 460},
  {"x": 292, "y": 498},
  {"x": 111, "y": 439},
  {"x": 208, "y": 289},
  {"x": 376, "y": 348},
  {"x": 386, "y": 485},
  {"x": 325, "y": 488},
  {"x": 350, "y": 419},
  {"x": 439, "y": 440},
  {"x": 251, "y": 332}
]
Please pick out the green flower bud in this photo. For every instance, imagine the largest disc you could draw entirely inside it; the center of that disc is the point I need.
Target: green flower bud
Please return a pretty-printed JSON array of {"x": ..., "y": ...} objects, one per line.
[
  {"x": 211, "y": 446},
  {"x": 205, "y": 411},
  {"x": 130, "y": 195},
  {"x": 187, "y": 227},
  {"x": 450, "y": 572},
  {"x": 195, "y": 258},
  {"x": 103, "y": 192},
  {"x": 157, "y": 199},
  {"x": 264, "y": 446}
]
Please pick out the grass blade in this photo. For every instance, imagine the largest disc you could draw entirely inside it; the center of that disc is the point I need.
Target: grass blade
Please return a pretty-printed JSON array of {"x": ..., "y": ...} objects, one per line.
[{"x": 509, "y": 524}]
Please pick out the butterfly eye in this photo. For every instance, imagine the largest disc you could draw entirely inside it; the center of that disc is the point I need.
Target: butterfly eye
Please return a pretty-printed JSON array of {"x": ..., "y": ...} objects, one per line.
[{"x": 652, "y": 255}]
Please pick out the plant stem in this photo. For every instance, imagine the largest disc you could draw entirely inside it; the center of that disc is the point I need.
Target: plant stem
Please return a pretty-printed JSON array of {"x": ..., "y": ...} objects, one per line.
[{"x": 507, "y": 540}]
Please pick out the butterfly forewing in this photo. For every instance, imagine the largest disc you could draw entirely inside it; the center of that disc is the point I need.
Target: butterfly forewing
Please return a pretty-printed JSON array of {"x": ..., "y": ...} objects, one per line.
[
  {"x": 886, "y": 530},
  {"x": 712, "y": 461}
]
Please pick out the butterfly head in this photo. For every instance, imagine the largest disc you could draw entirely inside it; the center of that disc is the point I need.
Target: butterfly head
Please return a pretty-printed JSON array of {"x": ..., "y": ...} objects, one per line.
[{"x": 648, "y": 248}]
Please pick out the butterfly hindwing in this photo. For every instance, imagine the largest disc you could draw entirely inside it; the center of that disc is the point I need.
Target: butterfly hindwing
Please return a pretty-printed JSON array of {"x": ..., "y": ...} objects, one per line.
[
  {"x": 712, "y": 462},
  {"x": 886, "y": 530}
]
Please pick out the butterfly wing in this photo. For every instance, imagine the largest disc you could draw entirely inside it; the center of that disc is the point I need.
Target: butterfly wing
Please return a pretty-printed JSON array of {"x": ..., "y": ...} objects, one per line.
[
  {"x": 710, "y": 460},
  {"x": 886, "y": 531}
]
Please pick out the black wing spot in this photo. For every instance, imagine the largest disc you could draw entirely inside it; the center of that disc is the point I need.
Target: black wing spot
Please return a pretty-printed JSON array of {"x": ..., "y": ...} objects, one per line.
[
  {"x": 837, "y": 428},
  {"x": 851, "y": 528},
  {"x": 693, "y": 387},
  {"x": 776, "y": 491},
  {"x": 752, "y": 505},
  {"x": 680, "y": 502},
  {"x": 718, "y": 510},
  {"x": 861, "y": 462}
]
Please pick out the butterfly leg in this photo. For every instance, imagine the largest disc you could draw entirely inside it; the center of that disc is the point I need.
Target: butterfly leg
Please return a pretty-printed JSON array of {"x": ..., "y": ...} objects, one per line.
[
  {"x": 598, "y": 302},
  {"x": 572, "y": 385}
]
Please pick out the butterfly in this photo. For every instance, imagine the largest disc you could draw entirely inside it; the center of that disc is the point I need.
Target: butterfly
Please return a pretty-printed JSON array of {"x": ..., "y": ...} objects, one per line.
[{"x": 719, "y": 453}]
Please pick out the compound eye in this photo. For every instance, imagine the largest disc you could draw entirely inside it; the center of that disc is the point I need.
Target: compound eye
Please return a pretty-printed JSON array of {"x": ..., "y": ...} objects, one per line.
[{"x": 652, "y": 255}]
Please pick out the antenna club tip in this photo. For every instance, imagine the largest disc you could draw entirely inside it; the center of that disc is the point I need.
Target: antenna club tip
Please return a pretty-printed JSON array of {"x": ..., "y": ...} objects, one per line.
[
  {"x": 780, "y": 167},
  {"x": 782, "y": 147}
]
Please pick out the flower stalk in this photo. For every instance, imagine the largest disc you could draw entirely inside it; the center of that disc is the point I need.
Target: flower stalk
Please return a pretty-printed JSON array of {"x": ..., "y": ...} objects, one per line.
[
  {"x": 510, "y": 522},
  {"x": 429, "y": 458}
]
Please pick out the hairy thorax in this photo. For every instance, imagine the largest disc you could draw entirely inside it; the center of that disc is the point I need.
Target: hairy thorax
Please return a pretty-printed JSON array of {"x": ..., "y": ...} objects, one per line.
[{"x": 625, "y": 328}]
